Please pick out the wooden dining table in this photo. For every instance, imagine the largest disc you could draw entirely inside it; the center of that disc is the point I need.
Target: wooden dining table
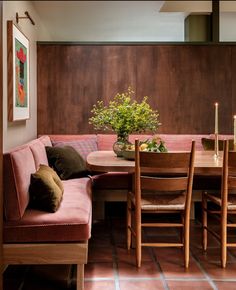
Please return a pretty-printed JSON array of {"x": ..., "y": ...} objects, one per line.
[{"x": 206, "y": 163}]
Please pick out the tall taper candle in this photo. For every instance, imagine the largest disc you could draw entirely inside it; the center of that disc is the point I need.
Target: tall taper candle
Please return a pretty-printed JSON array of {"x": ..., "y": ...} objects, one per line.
[
  {"x": 234, "y": 131},
  {"x": 216, "y": 118}
]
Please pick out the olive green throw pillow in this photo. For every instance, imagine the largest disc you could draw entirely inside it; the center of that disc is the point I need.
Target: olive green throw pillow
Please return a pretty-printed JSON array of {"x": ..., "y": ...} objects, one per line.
[
  {"x": 46, "y": 189},
  {"x": 209, "y": 144},
  {"x": 67, "y": 162}
]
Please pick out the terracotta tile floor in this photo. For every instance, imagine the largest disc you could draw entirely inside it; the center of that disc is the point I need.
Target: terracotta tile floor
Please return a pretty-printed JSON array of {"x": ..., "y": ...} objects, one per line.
[{"x": 111, "y": 267}]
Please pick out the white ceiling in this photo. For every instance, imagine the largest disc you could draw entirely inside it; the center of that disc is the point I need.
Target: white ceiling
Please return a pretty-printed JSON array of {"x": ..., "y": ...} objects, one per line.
[{"x": 120, "y": 20}]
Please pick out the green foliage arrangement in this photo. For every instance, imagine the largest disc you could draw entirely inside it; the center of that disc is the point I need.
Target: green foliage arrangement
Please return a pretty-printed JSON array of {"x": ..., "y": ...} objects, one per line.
[{"x": 124, "y": 115}]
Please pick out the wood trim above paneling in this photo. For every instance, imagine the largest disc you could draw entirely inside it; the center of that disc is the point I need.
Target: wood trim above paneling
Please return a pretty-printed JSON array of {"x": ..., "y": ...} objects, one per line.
[{"x": 134, "y": 43}]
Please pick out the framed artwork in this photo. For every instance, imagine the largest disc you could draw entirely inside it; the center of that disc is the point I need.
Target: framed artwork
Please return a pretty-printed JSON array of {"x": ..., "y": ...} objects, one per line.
[{"x": 18, "y": 73}]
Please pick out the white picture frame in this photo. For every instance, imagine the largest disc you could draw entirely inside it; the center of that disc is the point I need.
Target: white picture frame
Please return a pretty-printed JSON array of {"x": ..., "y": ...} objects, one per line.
[{"x": 18, "y": 74}]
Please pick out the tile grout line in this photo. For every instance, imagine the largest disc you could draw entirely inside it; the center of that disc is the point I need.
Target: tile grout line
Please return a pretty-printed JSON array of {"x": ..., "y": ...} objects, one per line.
[
  {"x": 158, "y": 266},
  {"x": 138, "y": 279},
  {"x": 98, "y": 279},
  {"x": 114, "y": 258},
  {"x": 208, "y": 278}
]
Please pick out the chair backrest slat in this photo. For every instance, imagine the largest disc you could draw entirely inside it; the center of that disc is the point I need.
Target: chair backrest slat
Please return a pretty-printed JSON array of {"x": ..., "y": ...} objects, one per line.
[
  {"x": 168, "y": 160},
  {"x": 164, "y": 184}
]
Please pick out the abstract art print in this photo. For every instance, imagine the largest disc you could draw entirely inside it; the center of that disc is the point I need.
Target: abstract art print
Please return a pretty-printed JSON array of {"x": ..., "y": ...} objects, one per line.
[{"x": 18, "y": 73}]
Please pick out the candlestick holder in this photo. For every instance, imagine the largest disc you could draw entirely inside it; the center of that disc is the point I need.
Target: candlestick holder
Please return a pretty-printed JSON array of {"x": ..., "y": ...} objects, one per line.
[{"x": 216, "y": 145}]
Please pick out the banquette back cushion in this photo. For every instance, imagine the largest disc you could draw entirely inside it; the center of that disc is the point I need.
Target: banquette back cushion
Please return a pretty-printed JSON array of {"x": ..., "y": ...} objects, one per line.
[
  {"x": 19, "y": 164},
  {"x": 106, "y": 141}
]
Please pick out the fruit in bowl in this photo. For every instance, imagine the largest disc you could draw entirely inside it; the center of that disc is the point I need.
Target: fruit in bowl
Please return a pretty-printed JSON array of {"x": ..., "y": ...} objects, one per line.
[
  {"x": 150, "y": 145},
  {"x": 130, "y": 147},
  {"x": 155, "y": 145}
]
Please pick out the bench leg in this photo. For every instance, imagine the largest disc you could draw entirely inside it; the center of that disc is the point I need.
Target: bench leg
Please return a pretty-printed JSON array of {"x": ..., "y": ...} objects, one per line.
[{"x": 80, "y": 277}]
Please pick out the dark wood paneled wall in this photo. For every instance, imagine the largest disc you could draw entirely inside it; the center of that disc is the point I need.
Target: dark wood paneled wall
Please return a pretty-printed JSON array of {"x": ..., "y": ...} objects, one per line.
[{"x": 182, "y": 81}]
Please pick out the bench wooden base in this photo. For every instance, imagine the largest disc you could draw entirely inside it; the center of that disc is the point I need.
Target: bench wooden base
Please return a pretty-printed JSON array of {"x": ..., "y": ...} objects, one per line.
[{"x": 57, "y": 253}]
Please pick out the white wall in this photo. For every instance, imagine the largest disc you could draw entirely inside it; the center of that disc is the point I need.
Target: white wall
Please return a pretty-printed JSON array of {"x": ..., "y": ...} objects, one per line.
[
  {"x": 110, "y": 21},
  {"x": 227, "y": 26},
  {"x": 16, "y": 133}
]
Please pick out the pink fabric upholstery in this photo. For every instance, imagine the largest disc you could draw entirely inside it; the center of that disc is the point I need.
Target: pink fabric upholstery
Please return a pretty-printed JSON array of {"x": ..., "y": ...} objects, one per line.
[
  {"x": 45, "y": 139},
  {"x": 18, "y": 166},
  {"x": 172, "y": 141},
  {"x": 182, "y": 142},
  {"x": 71, "y": 137},
  {"x": 39, "y": 153},
  {"x": 72, "y": 221},
  {"x": 83, "y": 147},
  {"x": 105, "y": 141},
  {"x": 141, "y": 137},
  {"x": 221, "y": 137}
]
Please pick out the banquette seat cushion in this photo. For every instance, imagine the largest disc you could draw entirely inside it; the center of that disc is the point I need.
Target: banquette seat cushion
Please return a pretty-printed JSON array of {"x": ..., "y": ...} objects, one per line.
[{"x": 71, "y": 222}]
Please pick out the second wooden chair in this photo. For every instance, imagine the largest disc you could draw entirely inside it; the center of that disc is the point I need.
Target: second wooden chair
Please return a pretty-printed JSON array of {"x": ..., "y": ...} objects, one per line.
[
  {"x": 225, "y": 202},
  {"x": 162, "y": 183}
]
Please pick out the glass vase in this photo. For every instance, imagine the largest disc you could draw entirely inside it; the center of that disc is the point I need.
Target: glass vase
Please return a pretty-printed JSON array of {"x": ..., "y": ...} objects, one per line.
[{"x": 120, "y": 144}]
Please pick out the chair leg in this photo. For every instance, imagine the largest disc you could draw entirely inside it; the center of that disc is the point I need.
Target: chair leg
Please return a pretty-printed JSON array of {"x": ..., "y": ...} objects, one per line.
[
  {"x": 138, "y": 238},
  {"x": 186, "y": 242},
  {"x": 223, "y": 240},
  {"x": 182, "y": 230},
  {"x": 128, "y": 216},
  {"x": 80, "y": 277},
  {"x": 204, "y": 222}
]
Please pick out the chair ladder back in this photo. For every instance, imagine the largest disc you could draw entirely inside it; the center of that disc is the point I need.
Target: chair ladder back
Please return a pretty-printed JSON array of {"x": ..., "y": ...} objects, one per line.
[
  {"x": 164, "y": 183},
  {"x": 174, "y": 171},
  {"x": 160, "y": 172}
]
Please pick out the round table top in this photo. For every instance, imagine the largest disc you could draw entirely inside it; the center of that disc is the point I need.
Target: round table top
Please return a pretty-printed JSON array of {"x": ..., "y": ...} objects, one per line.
[{"x": 106, "y": 161}]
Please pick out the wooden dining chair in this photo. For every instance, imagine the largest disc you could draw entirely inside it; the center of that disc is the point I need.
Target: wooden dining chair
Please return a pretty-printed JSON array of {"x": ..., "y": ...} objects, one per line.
[
  {"x": 225, "y": 204},
  {"x": 162, "y": 184}
]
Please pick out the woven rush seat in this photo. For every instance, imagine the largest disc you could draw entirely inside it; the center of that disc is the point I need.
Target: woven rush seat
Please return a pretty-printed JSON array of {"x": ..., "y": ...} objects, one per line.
[{"x": 156, "y": 202}]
